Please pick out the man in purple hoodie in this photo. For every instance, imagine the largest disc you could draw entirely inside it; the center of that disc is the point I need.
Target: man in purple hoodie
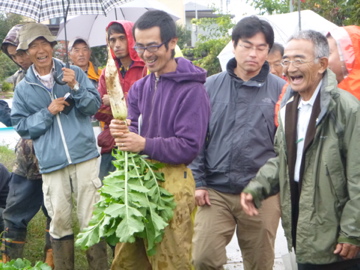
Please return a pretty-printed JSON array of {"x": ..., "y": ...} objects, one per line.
[{"x": 169, "y": 112}]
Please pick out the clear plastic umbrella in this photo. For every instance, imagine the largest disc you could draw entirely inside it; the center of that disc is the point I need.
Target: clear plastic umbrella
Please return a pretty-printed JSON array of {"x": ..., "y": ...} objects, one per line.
[{"x": 92, "y": 27}]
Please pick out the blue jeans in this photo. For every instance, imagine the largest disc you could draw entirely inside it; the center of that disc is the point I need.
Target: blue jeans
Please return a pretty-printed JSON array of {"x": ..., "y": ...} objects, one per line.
[{"x": 23, "y": 202}]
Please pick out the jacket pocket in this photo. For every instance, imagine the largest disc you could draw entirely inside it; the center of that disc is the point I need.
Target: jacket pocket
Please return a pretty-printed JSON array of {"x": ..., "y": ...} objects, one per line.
[
  {"x": 97, "y": 182},
  {"x": 337, "y": 183}
]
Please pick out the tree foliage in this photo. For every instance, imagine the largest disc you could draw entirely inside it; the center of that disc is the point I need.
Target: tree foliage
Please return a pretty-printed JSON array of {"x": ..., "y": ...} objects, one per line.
[
  {"x": 184, "y": 36},
  {"x": 210, "y": 45},
  {"x": 340, "y": 12}
]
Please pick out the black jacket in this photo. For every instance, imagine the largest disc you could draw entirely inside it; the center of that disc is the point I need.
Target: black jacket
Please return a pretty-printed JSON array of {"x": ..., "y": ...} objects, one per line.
[{"x": 241, "y": 130}]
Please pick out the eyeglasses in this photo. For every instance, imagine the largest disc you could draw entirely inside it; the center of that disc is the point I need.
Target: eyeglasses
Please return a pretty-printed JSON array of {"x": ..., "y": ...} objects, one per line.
[
  {"x": 276, "y": 64},
  {"x": 150, "y": 49},
  {"x": 296, "y": 63},
  {"x": 248, "y": 47}
]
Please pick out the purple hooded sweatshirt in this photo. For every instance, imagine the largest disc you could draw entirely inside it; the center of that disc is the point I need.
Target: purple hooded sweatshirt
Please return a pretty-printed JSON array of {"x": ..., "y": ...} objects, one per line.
[{"x": 174, "y": 111}]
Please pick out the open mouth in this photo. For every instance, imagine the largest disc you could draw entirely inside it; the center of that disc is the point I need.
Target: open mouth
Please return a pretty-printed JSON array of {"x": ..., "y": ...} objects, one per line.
[
  {"x": 296, "y": 79},
  {"x": 42, "y": 58},
  {"x": 150, "y": 62}
]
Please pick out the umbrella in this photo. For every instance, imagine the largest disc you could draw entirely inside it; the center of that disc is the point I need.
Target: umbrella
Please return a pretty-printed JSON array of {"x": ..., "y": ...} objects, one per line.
[
  {"x": 41, "y": 10},
  {"x": 284, "y": 26},
  {"x": 92, "y": 27}
]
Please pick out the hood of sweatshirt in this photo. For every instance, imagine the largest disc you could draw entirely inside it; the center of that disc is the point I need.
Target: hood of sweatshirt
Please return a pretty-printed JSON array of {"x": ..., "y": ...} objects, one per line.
[
  {"x": 348, "y": 44},
  {"x": 130, "y": 39}
]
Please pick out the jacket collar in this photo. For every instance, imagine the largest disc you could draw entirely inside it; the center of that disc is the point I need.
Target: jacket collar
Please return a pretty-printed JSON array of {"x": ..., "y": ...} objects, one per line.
[{"x": 258, "y": 80}]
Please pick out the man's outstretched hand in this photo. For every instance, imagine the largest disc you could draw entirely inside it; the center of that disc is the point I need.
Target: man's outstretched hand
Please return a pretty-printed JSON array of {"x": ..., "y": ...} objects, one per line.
[{"x": 247, "y": 203}]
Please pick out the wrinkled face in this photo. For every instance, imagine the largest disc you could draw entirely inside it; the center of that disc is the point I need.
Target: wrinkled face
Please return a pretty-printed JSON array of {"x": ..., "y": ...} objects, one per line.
[
  {"x": 159, "y": 61},
  {"x": 334, "y": 59},
  {"x": 119, "y": 44},
  {"x": 251, "y": 53},
  {"x": 306, "y": 76},
  {"x": 20, "y": 57},
  {"x": 80, "y": 55},
  {"x": 274, "y": 60},
  {"x": 40, "y": 52}
]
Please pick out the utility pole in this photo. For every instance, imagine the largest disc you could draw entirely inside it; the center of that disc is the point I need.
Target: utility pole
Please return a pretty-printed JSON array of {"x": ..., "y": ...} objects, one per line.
[
  {"x": 227, "y": 6},
  {"x": 291, "y": 5}
]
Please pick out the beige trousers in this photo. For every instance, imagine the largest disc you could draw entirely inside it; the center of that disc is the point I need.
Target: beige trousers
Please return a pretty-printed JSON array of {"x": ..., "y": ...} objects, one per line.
[
  {"x": 214, "y": 229},
  {"x": 174, "y": 251},
  {"x": 79, "y": 181}
]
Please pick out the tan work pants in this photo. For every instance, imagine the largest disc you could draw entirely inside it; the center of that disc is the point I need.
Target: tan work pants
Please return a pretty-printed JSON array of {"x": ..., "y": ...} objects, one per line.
[
  {"x": 80, "y": 180},
  {"x": 174, "y": 251},
  {"x": 214, "y": 229}
]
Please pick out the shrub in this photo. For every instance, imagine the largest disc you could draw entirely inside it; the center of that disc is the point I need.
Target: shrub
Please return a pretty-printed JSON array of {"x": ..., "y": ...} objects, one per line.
[{"x": 7, "y": 87}]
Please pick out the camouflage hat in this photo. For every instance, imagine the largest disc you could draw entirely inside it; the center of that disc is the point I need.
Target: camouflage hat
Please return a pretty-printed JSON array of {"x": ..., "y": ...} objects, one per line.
[
  {"x": 31, "y": 31},
  {"x": 12, "y": 38}
]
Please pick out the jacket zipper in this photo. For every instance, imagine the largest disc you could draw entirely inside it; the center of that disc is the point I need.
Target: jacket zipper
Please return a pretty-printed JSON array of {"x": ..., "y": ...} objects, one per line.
[{"x": 62, "y": 135}]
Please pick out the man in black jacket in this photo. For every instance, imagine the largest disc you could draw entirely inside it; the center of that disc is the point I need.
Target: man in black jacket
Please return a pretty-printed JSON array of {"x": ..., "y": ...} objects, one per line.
[{"x": 240, "y": 140}]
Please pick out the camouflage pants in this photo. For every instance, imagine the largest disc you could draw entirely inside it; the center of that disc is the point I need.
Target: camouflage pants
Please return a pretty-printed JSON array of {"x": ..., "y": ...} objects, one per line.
[{"x": 174, "y": 252}]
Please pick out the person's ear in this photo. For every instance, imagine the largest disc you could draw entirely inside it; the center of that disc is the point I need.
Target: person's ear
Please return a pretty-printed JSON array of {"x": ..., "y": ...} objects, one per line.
[
  {"x": 172, "y": 43},
  {"x": 324, "y": 63}
]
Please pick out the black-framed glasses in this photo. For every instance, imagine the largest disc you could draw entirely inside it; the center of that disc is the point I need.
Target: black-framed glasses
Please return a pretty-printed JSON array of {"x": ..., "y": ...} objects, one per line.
[
  {"x": 296, "y": 63},
  {"x": 150, "y": 49}
]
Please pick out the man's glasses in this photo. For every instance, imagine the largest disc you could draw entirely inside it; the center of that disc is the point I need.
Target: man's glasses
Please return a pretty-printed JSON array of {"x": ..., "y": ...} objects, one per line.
[
  {"x": 296, "y": 63},
  {"x": 150, "y": 49}
]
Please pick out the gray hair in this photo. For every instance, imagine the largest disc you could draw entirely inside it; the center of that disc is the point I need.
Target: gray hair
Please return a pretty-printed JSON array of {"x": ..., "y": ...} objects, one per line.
[{"x": 321, "y": 45}]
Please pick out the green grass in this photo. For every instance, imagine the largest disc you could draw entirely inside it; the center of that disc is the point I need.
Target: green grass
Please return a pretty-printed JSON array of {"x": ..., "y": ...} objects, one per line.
[
  {"x": 34, "y": 247},
  {"x": 35, "y": 242},
  {"x": 6, "y": 95},
  {"x": 7, "y": 157}
]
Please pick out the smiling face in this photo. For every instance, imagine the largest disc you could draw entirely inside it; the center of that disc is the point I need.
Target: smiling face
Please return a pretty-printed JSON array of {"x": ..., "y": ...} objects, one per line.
[
  {"x": 19, "y": 57},
  {"x": 161, "y": 61},
  {"x": 305, "y": 78},
  {"x": 40, "y": 52},
  {"x": 250, "y": 55}
]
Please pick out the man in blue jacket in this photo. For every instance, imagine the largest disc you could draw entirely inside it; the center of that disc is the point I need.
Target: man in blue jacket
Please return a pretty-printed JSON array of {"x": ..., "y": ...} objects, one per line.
[
  {"x": 64, "y": 142},
  {"x": 25, "y": 186},
  {"x": 239, "y": 141}
]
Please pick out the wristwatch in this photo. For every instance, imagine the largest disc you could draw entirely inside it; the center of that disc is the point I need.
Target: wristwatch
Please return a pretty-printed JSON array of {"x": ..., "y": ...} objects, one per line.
[{"x": 76, "y": 87}]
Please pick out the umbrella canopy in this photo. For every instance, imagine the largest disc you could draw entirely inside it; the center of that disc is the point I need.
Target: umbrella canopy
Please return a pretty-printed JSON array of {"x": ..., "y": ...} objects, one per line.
[
  {"x": 41, "y": 10},
  {"x": 92, "y": 27},
  {"x": 284, "y": 26}
]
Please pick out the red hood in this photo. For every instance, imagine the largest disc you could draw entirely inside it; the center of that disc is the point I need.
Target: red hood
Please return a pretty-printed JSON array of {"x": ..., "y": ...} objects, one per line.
[
  {"x": 348, "y": 41},
  {"x": 131, "y": 42}
]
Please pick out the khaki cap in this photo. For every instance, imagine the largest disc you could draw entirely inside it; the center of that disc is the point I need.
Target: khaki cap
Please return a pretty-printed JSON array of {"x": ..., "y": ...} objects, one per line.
[{"x": 31, "y": 31}]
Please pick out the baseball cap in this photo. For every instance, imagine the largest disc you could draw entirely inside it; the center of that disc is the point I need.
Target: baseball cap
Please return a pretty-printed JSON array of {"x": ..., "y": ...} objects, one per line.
[
  {"x": 31, "y": 31},
  {"x": 77, "y": 40}
]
